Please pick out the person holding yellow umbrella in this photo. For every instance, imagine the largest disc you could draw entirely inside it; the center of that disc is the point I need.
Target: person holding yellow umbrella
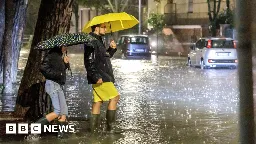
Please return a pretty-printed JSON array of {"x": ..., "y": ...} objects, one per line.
[{"x": 99, "y": 68}]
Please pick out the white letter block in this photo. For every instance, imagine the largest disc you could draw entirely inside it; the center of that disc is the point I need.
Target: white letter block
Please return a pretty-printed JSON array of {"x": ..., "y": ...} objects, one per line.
[
  {"x": 35, "y": 128},
  {"x": 10, "y": 128},
  {"x": 22, "y": 128}
]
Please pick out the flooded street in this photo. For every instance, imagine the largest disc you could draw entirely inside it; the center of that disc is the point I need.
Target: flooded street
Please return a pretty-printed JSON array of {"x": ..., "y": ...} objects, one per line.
[{"x": 162, "y": 101}]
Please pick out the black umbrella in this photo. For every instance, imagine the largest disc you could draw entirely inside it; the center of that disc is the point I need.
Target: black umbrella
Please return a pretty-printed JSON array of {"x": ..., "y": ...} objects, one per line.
[{"x": 65, "y": 40}]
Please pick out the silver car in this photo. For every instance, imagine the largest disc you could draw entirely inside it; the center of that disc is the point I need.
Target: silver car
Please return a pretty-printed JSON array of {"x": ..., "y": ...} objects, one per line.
[{"x": 213, "y": 52}]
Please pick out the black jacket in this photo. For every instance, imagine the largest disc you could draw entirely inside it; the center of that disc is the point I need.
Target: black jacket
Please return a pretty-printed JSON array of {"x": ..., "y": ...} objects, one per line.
[
  {"x": 53, "y": 66},
  {"x": 97, "y": 61}
]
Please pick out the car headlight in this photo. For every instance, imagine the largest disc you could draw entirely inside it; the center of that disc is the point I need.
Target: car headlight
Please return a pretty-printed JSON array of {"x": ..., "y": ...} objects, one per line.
[{"x": 153, "y": 43}]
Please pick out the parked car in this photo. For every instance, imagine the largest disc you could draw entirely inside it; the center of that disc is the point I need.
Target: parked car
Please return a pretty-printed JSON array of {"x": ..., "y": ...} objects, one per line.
[
  {"x": 213, "y": 52},
  {"x": 129, "y": 46}
]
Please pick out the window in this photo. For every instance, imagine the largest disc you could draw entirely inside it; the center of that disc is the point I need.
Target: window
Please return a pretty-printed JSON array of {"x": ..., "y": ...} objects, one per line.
[
  {"x": 139, "y": 40},
  {"x": 190, "y": 6},
  {"x": 222, "y": 44},
  {"x": 200, "y": 44}
]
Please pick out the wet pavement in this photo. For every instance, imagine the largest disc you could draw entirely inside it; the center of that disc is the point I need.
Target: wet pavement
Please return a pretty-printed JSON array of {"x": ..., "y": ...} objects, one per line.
[{"x": 162, "y": 101}]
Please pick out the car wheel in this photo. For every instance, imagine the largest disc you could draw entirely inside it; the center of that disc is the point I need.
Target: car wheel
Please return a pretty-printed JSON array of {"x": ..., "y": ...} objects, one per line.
[{"x": 202, "y": 64}]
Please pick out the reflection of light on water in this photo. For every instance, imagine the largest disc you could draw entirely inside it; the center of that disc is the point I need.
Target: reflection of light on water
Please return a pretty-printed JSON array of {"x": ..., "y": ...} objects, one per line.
[
  {"x": 72, "y": 55},
  {"x": 131, "y": 66},
  {"x": 154, "y": 59}
]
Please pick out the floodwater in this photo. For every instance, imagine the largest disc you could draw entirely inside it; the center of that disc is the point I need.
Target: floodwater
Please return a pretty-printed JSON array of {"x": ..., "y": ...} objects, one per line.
[{"x": 162, "y": 101}]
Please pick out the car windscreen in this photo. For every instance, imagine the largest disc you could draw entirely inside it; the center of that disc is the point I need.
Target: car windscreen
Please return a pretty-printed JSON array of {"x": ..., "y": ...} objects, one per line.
[
  {"x": 222, "y": 44},
  {"x": 138, "y": 40}
]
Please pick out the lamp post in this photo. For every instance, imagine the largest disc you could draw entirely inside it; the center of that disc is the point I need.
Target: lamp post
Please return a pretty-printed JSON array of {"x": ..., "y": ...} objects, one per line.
[
  {"x": 139, "y": 16},
  {"x": 157, "y": 34}
]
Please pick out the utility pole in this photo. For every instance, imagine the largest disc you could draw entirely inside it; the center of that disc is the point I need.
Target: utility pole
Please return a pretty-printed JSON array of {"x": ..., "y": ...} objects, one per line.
[{"x": 139, "y": 16}]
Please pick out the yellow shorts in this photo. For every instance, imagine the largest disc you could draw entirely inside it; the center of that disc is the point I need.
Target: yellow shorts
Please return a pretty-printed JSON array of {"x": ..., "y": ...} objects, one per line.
[{"x": 104, "y": 91}]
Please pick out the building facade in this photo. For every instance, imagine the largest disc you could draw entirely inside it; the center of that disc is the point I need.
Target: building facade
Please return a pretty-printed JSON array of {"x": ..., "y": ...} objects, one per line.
[
  {"x": 185, "y": 12},
  {"x": 187, "y": 19},
  {"x": 85, "y": 14}
]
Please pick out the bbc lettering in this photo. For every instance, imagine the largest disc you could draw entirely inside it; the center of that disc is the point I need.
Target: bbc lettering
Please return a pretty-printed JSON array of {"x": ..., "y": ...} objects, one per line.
[{"x": 35, "y": 128}]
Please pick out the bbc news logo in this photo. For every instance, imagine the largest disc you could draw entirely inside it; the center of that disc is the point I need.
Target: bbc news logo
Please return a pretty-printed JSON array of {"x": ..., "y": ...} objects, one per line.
[{"x": 35, "y": 128}]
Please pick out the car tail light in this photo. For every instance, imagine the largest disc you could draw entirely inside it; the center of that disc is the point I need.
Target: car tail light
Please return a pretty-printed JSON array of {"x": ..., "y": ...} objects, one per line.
[
  {"x": 209, "y": 44},
  {"x": 210, "y": 61},
  {"x": 234, "y": 44}
]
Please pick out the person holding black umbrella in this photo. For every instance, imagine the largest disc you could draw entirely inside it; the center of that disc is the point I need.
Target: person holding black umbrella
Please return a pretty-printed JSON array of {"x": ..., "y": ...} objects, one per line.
[{"x": 54, "y": 68}]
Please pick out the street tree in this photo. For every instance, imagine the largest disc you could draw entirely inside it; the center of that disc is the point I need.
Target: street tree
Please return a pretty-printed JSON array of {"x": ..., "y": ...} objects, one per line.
[
  {"x": 32, "y": 14},
  {"x": 53, "y": 18},
  {"x": 228, "y": 4},
  {"x": 12, "y": 25},
  {"x": 2, "y": 27},
  {"x": 17, "y": 35},
  {"x": 156, "y": 21},
  {"x": 7, "y": 55},
  {"x": 76, "y": 11},
  {"x": 226, "y": 17},
  {"x": 213, "y": 11}
]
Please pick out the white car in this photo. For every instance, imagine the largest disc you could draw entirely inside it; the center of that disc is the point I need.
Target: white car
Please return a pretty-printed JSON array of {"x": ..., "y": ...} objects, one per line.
[{"x": 213, "y": 52}]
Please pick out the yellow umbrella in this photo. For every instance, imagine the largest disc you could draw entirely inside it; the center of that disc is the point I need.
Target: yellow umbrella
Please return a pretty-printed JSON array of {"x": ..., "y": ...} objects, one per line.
[{"x": 113, "y": 21}]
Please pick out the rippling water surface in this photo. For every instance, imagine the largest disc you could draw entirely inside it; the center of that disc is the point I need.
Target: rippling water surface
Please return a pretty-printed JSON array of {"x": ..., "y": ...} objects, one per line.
[{"x": 162, "y": 101}]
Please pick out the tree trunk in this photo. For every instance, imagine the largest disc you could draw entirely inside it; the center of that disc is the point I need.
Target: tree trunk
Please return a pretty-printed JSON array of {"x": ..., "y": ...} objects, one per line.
[
  {"x": 8, "y": 96},
  {"x": 214, "y": 29},
  {"x": 17, "y": 34},
  {"x": 76, "y": 11},
  {"x": 228, "y": 4},
  {"x": 2, "y": 26},
  {"x": 53, "y": 18}
]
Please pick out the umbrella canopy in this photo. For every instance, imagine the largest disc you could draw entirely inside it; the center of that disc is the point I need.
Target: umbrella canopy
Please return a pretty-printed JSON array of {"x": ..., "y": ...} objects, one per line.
[
  {"x": 113, "y": 21},
  {"x": 65, "y": 40}
]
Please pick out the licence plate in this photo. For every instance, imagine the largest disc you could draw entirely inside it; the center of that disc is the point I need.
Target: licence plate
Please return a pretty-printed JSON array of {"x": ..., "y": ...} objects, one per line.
[
  {"x": 222, "y": 54},
  {"x": 139, "y": 50}
]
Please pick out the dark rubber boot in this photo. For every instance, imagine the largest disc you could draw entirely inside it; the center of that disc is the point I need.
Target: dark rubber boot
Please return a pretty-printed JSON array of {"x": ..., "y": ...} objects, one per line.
[
  {"x": 95, "y": 122},
  {"x": 111, "y": 122},
  {"x": 43, "y": 121}
]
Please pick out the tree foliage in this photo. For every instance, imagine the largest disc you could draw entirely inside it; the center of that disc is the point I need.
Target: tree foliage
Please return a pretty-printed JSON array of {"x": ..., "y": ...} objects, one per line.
[
  {"x": 156, "y": 21},
  {"x": 213, "y": 11},
  {"x": 226, "y": 17}
]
